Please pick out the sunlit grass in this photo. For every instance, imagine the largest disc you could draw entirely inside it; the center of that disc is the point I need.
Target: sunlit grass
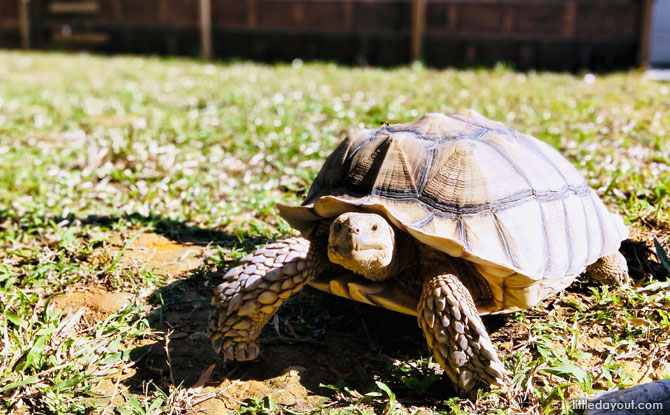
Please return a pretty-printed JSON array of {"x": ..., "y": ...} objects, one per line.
[{"x": 96, "y": 146}]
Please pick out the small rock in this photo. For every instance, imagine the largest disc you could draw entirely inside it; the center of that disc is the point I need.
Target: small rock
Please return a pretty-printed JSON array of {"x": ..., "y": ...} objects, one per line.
[{"x": 198, "y": 336}]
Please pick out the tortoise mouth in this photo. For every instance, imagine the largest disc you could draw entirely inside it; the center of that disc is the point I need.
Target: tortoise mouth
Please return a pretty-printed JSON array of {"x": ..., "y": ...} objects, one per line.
[
  {"x": 353, "y": 250},
  {"x": 358, "y": 260}
]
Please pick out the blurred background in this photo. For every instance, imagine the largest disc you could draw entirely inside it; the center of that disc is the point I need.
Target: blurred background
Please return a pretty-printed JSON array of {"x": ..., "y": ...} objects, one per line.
[{"x": 547, "y": 34}]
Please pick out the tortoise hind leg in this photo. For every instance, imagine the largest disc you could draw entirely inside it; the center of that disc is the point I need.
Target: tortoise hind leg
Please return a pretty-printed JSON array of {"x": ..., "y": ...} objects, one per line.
[
  {"x": 457, "y": 337},
  {"x": 252, "y": 292},
  {"x": 611, "y": 269}
]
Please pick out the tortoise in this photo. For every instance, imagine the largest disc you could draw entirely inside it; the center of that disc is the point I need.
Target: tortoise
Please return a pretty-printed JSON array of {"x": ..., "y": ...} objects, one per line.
[{"x": 446, "y": 218}]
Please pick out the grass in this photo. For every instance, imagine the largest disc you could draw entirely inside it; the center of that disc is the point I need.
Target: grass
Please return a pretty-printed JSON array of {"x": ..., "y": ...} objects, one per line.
[{"x": 96, "y": 151}]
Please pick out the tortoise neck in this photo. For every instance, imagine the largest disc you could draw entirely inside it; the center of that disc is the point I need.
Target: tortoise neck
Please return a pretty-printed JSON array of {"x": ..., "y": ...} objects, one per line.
[{"x": 404, "y": 254}]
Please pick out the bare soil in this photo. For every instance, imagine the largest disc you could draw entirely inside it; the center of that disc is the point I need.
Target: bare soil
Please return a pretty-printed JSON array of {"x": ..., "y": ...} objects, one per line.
[
  {"x": 97, "y": 303},
  {"x": 160, "y": 254}
]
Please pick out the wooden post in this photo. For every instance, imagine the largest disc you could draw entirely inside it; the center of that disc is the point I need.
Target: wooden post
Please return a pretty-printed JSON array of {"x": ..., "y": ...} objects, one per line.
[
  {"x": 24, "y": 23},
  {"x": 570, "y": 19},
  {"x": 452, "y": 16},
  {"x": 298, "y": 13},
  {"x": 418, "y": 28},
  {"x": 348, "y": 15},
  {"x": 644, "y": 33},
  {"x": 252, "y": 13},
  {"x": 206, "y": 28},
  {"x": 507, "y": 20}
]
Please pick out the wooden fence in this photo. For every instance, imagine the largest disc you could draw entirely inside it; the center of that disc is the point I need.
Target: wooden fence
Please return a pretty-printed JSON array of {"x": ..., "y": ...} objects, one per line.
[{"x": 559, "y": 34}]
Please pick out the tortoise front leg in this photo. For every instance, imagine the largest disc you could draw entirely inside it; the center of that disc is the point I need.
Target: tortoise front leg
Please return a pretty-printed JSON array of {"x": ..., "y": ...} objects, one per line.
[
  {"x": 253, "y": 291},
  {"x": 456, "y": 334}
]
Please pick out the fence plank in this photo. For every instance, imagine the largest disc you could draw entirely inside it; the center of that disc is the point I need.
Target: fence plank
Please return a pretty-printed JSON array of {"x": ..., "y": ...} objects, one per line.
[
  {"x": 206, "y": 28},
  {"x": 570, "y": 18},
  {"x": 24, "y": 23},
  {"x": 418, "y": 28},
  {"x": 69, "y": 7},
  {"x": 252, "y": 13},
  {"x": 645, "y": 33}
]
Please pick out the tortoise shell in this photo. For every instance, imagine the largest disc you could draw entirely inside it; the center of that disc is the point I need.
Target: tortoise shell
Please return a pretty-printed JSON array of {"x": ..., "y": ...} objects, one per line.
[{"x": 474, "y": 189}]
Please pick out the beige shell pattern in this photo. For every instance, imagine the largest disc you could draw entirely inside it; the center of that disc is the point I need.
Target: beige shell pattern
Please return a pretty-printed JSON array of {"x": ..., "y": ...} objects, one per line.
[{"x": 474, "y": 189}]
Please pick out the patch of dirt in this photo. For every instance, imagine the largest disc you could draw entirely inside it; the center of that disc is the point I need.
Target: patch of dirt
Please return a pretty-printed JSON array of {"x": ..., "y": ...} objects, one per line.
[
  {"x": 159, "y": 254},
  {"x": 290, "y": 369},
  {"x": 285, "y": 389},
  {"x": 98, "y": 304},
  {"x": 213, "y": 405}
]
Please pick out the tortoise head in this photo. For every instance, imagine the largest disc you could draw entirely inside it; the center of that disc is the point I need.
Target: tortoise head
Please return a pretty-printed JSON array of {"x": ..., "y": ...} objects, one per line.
[{"x": 363, "y": 243}]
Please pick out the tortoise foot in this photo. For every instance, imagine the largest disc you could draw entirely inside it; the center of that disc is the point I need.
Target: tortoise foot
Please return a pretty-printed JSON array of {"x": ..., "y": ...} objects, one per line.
[{"x": 236, "y": 350}]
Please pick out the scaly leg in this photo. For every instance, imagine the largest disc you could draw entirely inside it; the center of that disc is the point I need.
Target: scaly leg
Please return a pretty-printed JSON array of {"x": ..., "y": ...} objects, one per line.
[
  {"x": 253, "y": 291},
  {"x": 456, "y": 335}
]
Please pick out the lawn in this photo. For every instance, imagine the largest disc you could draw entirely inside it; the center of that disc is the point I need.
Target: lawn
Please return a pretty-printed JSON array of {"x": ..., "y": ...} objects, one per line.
[{"x": 128, "y": 185}]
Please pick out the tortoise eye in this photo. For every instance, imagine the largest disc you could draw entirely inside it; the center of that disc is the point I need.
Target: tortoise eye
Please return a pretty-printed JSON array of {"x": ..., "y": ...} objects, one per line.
[
  {"x": 338, "y": 226},
  {"x": 374, "y": 227}
]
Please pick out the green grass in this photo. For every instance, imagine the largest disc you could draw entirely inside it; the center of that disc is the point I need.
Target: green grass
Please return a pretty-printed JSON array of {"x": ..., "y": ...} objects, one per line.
[{"x": 96, "y": 147}]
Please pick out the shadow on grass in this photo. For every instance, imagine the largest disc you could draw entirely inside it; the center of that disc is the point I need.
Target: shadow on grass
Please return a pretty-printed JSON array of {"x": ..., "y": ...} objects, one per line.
[
  {"x": 178, "y": 231},
  {"x": 326, "y": 339}
]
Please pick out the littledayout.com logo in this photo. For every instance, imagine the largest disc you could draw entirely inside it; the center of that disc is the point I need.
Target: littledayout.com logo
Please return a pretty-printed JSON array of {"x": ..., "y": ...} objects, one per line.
[{"x": 584, "y": 404}]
